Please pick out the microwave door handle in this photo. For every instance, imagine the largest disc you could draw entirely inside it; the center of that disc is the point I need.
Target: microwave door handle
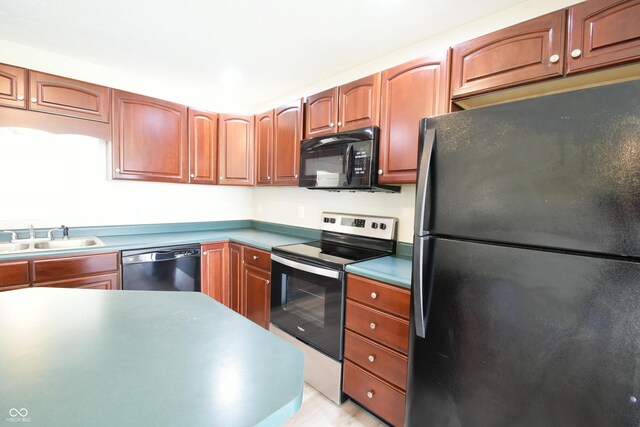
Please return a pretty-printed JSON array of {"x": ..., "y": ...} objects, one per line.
[
  {"x": 333, "y": 274},
  {"x": 349, "y": 163}
]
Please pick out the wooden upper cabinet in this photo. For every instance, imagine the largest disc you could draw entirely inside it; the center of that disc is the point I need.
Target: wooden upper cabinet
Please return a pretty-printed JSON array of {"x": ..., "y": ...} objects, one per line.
[
  {"x": 603, "y": 33},
  {"x": 524, "y": 53},
  {"x": 359, "y": 104},
  {"x": 149, "y": 139},
  {"x": 322, "y": 113},
  {"x": 351, "y": 106},
  {"x": 67, "y": 97},
  {"x": 410, "y": 91},
  {"x": 287, "y": 134},
  {"x": 203, "y": 147},
  {"x": 236, "y": 149},
  {"x": 264, "y": 148},
  {"x": 12, "y": 86}
]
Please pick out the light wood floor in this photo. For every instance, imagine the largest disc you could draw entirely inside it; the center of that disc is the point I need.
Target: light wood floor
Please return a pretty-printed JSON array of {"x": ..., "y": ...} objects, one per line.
[{"x": 318, "y": 411}]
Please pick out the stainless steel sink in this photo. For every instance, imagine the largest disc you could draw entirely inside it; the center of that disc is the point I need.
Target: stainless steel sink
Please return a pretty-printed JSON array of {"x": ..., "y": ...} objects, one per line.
[
  {"x": 68, "y": 244},
  {"x": 13, "y": 247},
  {"x": 42, "y": 245}
]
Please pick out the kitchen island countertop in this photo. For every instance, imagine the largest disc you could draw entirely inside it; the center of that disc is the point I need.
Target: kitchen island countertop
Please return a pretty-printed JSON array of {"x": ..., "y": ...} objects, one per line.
[{"x": 128, "y": 358}]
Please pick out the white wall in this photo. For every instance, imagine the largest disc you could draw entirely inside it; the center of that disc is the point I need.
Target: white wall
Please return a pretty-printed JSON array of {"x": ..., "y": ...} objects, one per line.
[
  {"x": 47, "y": 180},
  {"x": 282, "y": 205}
]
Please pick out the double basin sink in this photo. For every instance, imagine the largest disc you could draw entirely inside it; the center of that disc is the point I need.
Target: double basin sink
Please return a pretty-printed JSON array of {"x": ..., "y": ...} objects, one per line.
[{"x": 42, "y": 245}]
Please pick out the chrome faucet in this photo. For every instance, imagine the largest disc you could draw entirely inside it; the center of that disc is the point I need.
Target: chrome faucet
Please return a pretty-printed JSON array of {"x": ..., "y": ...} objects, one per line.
[
  {"x": 65, "y": 232},
  {"x": 32, "y": 232}
]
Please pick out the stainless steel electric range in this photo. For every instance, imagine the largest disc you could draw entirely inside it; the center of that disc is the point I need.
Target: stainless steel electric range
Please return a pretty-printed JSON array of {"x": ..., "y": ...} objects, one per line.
[{"x": 308, "y": 290}]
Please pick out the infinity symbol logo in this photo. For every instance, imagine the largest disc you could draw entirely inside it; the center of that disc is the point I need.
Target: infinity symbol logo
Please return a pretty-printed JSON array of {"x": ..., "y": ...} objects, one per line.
[{"x": 22, "y": 412}]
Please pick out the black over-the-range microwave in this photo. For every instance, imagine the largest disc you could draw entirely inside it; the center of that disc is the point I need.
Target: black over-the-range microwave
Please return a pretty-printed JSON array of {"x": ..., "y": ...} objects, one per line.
[{"x": 345, "y": 161}]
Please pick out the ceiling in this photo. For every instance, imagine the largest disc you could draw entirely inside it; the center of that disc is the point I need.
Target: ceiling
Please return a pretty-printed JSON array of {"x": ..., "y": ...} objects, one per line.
[{"x": 256, "y": 50}]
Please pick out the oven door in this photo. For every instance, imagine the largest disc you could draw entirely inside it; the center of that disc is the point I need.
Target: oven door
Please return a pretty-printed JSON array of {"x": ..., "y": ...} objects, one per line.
[{"x": 307, "y": 301}]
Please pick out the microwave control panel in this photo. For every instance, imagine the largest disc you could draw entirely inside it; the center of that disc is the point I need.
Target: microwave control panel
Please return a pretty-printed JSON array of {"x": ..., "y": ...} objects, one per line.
[{"x": 360, "y": 163}]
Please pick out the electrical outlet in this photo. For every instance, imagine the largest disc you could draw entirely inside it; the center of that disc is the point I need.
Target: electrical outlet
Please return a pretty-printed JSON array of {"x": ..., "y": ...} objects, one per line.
[{"x": 300, "y": 211}]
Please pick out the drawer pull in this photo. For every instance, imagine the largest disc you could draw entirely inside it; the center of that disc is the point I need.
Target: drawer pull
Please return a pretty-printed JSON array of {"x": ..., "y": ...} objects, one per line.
[
  {"x": 372, "y": 325},
  {"x": 370, "y": 394},
  {"x": 374, "y": 295},
  {"x": 371, "y": 358},
  {"x": 255, "y": 257}
]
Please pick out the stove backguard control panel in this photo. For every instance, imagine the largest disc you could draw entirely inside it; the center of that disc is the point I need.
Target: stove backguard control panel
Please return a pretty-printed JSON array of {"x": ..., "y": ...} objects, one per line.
[{"x": 380, "y": 227}]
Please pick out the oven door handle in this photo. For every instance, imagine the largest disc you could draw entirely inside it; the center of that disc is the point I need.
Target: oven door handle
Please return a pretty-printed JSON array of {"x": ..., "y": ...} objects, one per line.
[{"x": 306, "y": 267}]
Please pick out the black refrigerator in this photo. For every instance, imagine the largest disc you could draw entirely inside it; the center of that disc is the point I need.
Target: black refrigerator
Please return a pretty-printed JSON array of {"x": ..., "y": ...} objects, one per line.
[{"x": 526, "y": 275}]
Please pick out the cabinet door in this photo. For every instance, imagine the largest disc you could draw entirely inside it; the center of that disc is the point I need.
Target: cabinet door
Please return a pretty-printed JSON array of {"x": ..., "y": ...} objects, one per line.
[
  {"x": 524, "y": 53},
  {"x": 603, "y": 33},
  {"x": 286, "y": 143},
  {"x": 12, "y": 86},
  {"x": 203, "y": 147},
  {"x": 215, "y": 271},
  {"x": 410, "y": 91},
  {"x": 236, "y": 150},
  {"x": 102, "y": 281},
  {"x": 322, "y": 113},
  {"x": 14, "y": 275},
  {"x": 264, "y": 148},
  {"x": 68, "y": 97},
  {"x": 257, "y": 295},
  {"x": 149, "y": 139},
  {"x": 359, "y": 104},
  {"x": 235, "y": 277}
]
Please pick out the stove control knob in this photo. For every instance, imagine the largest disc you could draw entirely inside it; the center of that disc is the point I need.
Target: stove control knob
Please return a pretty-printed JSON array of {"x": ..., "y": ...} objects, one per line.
[
  {"x": 326, "y": 220},
  {"x": 383, "y": 226},
  {"x": 374, "y": 225},
  {"x": 333, "y": 220}
]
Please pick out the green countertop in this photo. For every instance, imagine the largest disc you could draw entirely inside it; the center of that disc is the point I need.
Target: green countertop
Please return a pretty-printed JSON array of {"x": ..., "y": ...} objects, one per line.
[
  {"x": 391, "y": 269},
  {"x": 73, "y": 357}
]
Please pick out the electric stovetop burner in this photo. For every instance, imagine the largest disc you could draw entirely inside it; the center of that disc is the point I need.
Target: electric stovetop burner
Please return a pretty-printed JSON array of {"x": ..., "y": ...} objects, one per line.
[{"x": 346, "y": 239}]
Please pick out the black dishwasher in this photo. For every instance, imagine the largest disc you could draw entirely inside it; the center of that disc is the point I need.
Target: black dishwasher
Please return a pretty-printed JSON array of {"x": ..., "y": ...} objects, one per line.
[{"x": 169, "y": 268}]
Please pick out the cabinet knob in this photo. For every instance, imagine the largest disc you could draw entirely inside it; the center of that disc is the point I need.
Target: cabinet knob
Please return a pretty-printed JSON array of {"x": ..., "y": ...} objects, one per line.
[
  {"x": 372, "y": 325},
  {"x": 374, "y": 295},
  {"x": 339, "y": 124},
  {"x": 554, "y": 58},
  {"x": 269, "y": 177},
  {"x": 117, "y": 170},
  {"x": 371, "y": 358},
  {"x": 221, "y": 178},
  {"x": 370, "y": 394},
  {"x": 332, "y": 124},
  {"x": 255, "y": 257},
  {"x": 380, "y": 171},
  {"x": 575, "y": 53},
  {"x": 34, "y": 99},
  {"x": 20, "y": 97},
  {"x": 295, "y": 176},
  {"x": 268, "y": 282},
  {"x": 193, "y": 175},
  {"x": 205, "y": 253}
]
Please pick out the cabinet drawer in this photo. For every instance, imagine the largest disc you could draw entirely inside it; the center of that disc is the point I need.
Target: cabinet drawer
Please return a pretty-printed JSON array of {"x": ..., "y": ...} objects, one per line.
[
  {"x": 382, "y": 296},
  {"x": 385, "y": 401},
  {"x": 74, "y": 266},
  {"x": 102, "y": 281},
  {"x": 378, "y": 326},
  {"x": 379, "y": 360},
  {"x": 14, "y": 274},
  {"x": 257, "y": 258}
]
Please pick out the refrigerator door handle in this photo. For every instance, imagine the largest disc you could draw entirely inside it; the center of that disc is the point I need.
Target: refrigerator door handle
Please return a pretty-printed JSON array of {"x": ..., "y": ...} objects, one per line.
[
  {"x": 422, "y": 274},
  {"x": 423, "y": 189}
]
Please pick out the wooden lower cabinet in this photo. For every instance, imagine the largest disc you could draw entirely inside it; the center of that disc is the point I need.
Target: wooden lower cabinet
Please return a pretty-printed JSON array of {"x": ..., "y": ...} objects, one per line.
[
  {"x": 376, "y": 344},
  {"x": 14, "y": 275},
  {"x": 235, "y": 277},
  {"x": 214, "y": 275},
  {"x": 94, "y": 271},
  {"x": 257, "y": 295}
]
